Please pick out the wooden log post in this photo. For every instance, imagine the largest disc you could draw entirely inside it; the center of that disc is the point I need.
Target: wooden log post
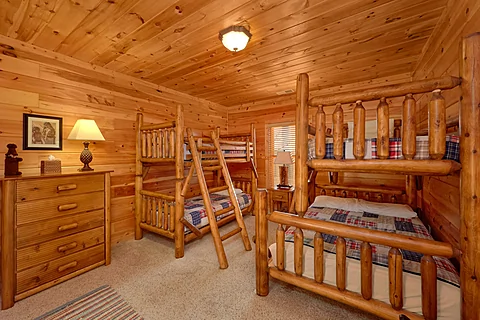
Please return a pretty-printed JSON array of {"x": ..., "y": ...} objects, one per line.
[
  {"x": 261, "y": 243},
  {"x": 470, "y": 177},
  {"x": 383, "y": 129},
  {"x": 409, "y": 143},
  {"x": 397, "y": 131},
  {"x": 366, "y": 270},
  {"x": 318, "y": 253},
  {"x": 138, "y": 179},
  {"x": 411, "y": 190},
  {"x": 437, "y": 126},
  {"x": 338, "y": 132},
  {"x": 280, "y": 248},
  {"x": 253, "y": 163},
  {"x": 298, "y": 251},
  {"x": 301, "y": 145},
  {"x": 320, "y": 134},
  {"x": 395, "y": 278},
  {"x": 428, "y": 271},
  {"x": 359, "y": 131},
  {"x": 179, "y": 176},
  {"x": 341, "y": 263}
]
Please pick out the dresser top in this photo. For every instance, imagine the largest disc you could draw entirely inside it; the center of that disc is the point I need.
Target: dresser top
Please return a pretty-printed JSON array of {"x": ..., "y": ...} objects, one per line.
[{"x": 64, "y": 173}]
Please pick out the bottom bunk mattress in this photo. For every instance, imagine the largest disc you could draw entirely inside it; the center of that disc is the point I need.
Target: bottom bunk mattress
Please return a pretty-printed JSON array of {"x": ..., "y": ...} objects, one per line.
[
  {"x": 448, "y": 282},
  {"x": 196, "y": 214}
]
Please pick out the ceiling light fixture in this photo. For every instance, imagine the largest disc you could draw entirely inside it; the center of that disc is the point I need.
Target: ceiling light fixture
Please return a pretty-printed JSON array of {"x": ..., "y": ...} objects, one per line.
[{"x": 235, "y": 38}]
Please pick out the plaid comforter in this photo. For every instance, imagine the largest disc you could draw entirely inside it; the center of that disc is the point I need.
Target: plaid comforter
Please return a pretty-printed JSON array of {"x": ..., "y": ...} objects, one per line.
[
  {"x": 410, "y": 227},
  {"x": 196, "y": 214}
]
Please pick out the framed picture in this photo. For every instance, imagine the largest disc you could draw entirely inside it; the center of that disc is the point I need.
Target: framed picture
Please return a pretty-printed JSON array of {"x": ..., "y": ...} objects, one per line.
[{"x": 42, "y": 132}]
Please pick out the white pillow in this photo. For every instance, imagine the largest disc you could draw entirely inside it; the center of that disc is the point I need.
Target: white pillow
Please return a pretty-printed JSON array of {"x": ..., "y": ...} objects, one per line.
[
  {"x": 387, "y": 209},
  {"x": 347, "y": 204},
  {"x": 225, "y": 192}
]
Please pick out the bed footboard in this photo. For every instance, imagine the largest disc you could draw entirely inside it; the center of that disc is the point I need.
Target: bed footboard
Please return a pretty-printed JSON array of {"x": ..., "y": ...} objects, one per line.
[{"x": 364, "y": 301}]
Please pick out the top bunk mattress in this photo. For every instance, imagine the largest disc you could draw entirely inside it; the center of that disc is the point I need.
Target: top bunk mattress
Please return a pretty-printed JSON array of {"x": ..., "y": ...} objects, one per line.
[
  {"x": 452, "y": 150},
  {"x": 448, "y": 281}
]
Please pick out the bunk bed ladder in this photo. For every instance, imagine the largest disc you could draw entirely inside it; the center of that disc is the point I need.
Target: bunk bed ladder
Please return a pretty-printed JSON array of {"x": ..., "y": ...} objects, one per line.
[{"x": 219, "y": 164}]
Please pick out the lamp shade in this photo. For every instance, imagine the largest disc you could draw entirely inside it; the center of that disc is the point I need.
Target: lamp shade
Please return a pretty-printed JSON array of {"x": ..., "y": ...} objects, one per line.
[
  {"x": 86, "y": 129},
  {"x": 283, "y": 157},
  {"x": 235, "y": 38}
]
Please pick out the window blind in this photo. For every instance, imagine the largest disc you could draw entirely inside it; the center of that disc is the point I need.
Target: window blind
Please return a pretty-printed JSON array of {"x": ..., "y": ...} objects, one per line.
[{"x": 280, "y": 138}]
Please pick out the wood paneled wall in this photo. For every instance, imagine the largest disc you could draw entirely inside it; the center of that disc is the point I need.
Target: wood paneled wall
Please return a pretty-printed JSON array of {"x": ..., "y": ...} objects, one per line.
[
  {"x": 440, "y": 196},
  {"x": 282, "y": 110},
  {"x": 37, "y": 81}
]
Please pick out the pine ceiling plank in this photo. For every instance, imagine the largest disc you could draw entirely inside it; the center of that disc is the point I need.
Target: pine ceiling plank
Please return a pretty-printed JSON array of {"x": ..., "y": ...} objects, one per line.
[
  {"x": 66, "y": 19},
  {"x": 96, "y": 22},
  {"x": 140, "y": 13},
  {"x": 175, "y": 13},
  {"x": 387, "y": 36},
  {"x": 210, "y": 46},
  {"x": 208, "y": 19},
  {"x": 336, "y": 32},
  {"x": 37, "y": 14}
]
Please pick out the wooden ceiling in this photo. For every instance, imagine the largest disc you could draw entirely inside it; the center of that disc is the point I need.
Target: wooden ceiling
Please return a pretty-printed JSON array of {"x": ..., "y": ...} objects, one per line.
[{"x": 175, "y": 42}]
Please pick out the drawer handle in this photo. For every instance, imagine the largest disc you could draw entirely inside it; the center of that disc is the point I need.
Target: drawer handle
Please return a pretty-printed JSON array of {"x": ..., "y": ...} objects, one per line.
[
  {"x": 66, "y": 247},
  {"x": 68, "y": 227},
  {"x": 65, "y": 207},
  {"x": 67, "y": 266},
  {"x": 66, "y": 187}
]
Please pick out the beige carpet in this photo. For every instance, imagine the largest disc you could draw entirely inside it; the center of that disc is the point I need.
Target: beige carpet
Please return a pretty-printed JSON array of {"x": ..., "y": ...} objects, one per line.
[{"x": 158, "y": 286}]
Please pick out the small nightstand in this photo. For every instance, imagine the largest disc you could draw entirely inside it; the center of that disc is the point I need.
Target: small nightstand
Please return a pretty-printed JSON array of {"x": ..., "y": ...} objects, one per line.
[{"x": 280, "y": 199}]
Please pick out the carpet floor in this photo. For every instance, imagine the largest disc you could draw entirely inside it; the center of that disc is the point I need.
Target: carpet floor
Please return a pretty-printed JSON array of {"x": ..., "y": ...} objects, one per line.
[{"x": 158, "y": 286}]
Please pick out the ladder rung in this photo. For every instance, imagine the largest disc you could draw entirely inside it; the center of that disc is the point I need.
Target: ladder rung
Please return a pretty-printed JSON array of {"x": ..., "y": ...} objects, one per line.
[
  {"x": 212, "y": 168},
  {"x": 230, "y": 234},
  {"x": 206, "y": 148},
  {"x": 223, "y": 211},
  {"x": 216, "y": 189},
  {"x": 191, "y": 227},
  {"x": 210, "y": 163}
]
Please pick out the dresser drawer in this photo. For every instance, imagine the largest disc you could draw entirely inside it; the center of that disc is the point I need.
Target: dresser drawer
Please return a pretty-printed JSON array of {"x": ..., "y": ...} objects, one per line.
[
  {"x": 38, "y": 232},
  {"x": 34, "y": 189},
  {"x": 57, "y": 207},
  {"x": 279, "y": 196},
  {"x": 54, "y": 249},
  {"x": 49, "y": 271}
]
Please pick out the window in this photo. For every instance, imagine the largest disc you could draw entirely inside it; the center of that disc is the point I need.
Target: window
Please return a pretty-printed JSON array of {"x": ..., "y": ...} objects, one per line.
[{"x": 280, "y": 138}]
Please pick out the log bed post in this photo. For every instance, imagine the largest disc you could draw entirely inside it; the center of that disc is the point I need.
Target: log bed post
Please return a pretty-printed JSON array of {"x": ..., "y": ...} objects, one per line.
[
  {"x": 338, "y": 132},
  {"x": 437, "y": 126},
  {"x": 138, "y": 179},
  {"x": 359, "y": 131},
  {"x": 409, "y": 143},
  {"x": 301, "y": 152},
  {"x": 261, "y": 245},
  {"x": 383, "y": 140},
  {"x": 179, "y": 175},
  {"x": 411, "y": 191},
  {"x": 470, "y": 177},
  {"x": 320, "y": 123}
]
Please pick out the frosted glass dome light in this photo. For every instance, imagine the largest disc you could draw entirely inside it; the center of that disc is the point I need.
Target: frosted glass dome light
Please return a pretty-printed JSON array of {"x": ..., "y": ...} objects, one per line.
[{"x": 235, "y": 38}]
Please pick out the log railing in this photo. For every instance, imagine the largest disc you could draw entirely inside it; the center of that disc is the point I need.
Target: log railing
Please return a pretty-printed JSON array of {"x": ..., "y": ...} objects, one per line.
[
  {"x": 363, "y": 300},
  {"x": 157, "y": 141},
  {"x": 436, "y": 117}
]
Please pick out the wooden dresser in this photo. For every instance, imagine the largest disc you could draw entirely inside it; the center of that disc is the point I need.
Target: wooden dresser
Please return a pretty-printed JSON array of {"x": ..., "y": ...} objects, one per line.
[{"x": 53, "y": 228}]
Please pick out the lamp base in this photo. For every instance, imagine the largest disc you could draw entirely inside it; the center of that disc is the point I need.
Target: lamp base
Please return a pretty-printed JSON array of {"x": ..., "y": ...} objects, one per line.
[{"x": 86, "y": 157}]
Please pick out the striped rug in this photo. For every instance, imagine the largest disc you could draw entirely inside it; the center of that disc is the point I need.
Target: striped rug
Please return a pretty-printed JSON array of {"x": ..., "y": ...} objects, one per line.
[{"x": 102, "y": 303}]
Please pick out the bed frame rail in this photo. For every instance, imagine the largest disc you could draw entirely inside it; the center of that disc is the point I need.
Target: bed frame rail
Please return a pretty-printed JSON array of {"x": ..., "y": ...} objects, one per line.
[{"x": 428, "y": 248}]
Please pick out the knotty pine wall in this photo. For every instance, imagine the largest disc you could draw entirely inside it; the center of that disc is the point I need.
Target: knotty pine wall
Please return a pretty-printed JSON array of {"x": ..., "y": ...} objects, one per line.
[
  {"x": 282, "y": 110},
  {"x": 37, "y": 81},
  {"x": 440, "y": 195}
]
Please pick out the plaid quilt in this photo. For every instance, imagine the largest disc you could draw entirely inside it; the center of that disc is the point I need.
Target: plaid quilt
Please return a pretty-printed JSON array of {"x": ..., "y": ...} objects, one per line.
[
  {"x": 196, "y": 214},
  {"x": 452, "y": 151},
  {"x": 410, "y": 227}
]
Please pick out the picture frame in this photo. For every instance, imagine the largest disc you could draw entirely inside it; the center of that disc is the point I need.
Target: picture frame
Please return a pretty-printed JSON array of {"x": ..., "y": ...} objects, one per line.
[{"x": 42, "y": 132}]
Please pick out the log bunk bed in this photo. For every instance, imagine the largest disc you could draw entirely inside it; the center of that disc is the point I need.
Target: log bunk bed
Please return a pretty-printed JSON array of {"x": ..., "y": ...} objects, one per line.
[
  {"x": 184, "y": 220},
  {"x": 310, "y": 237}
]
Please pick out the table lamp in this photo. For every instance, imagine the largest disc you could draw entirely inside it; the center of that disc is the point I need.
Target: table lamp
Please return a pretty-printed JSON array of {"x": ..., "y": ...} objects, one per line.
[
  {"x": 284, "y": 158},
  {"x": 86, "y": 130}
]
